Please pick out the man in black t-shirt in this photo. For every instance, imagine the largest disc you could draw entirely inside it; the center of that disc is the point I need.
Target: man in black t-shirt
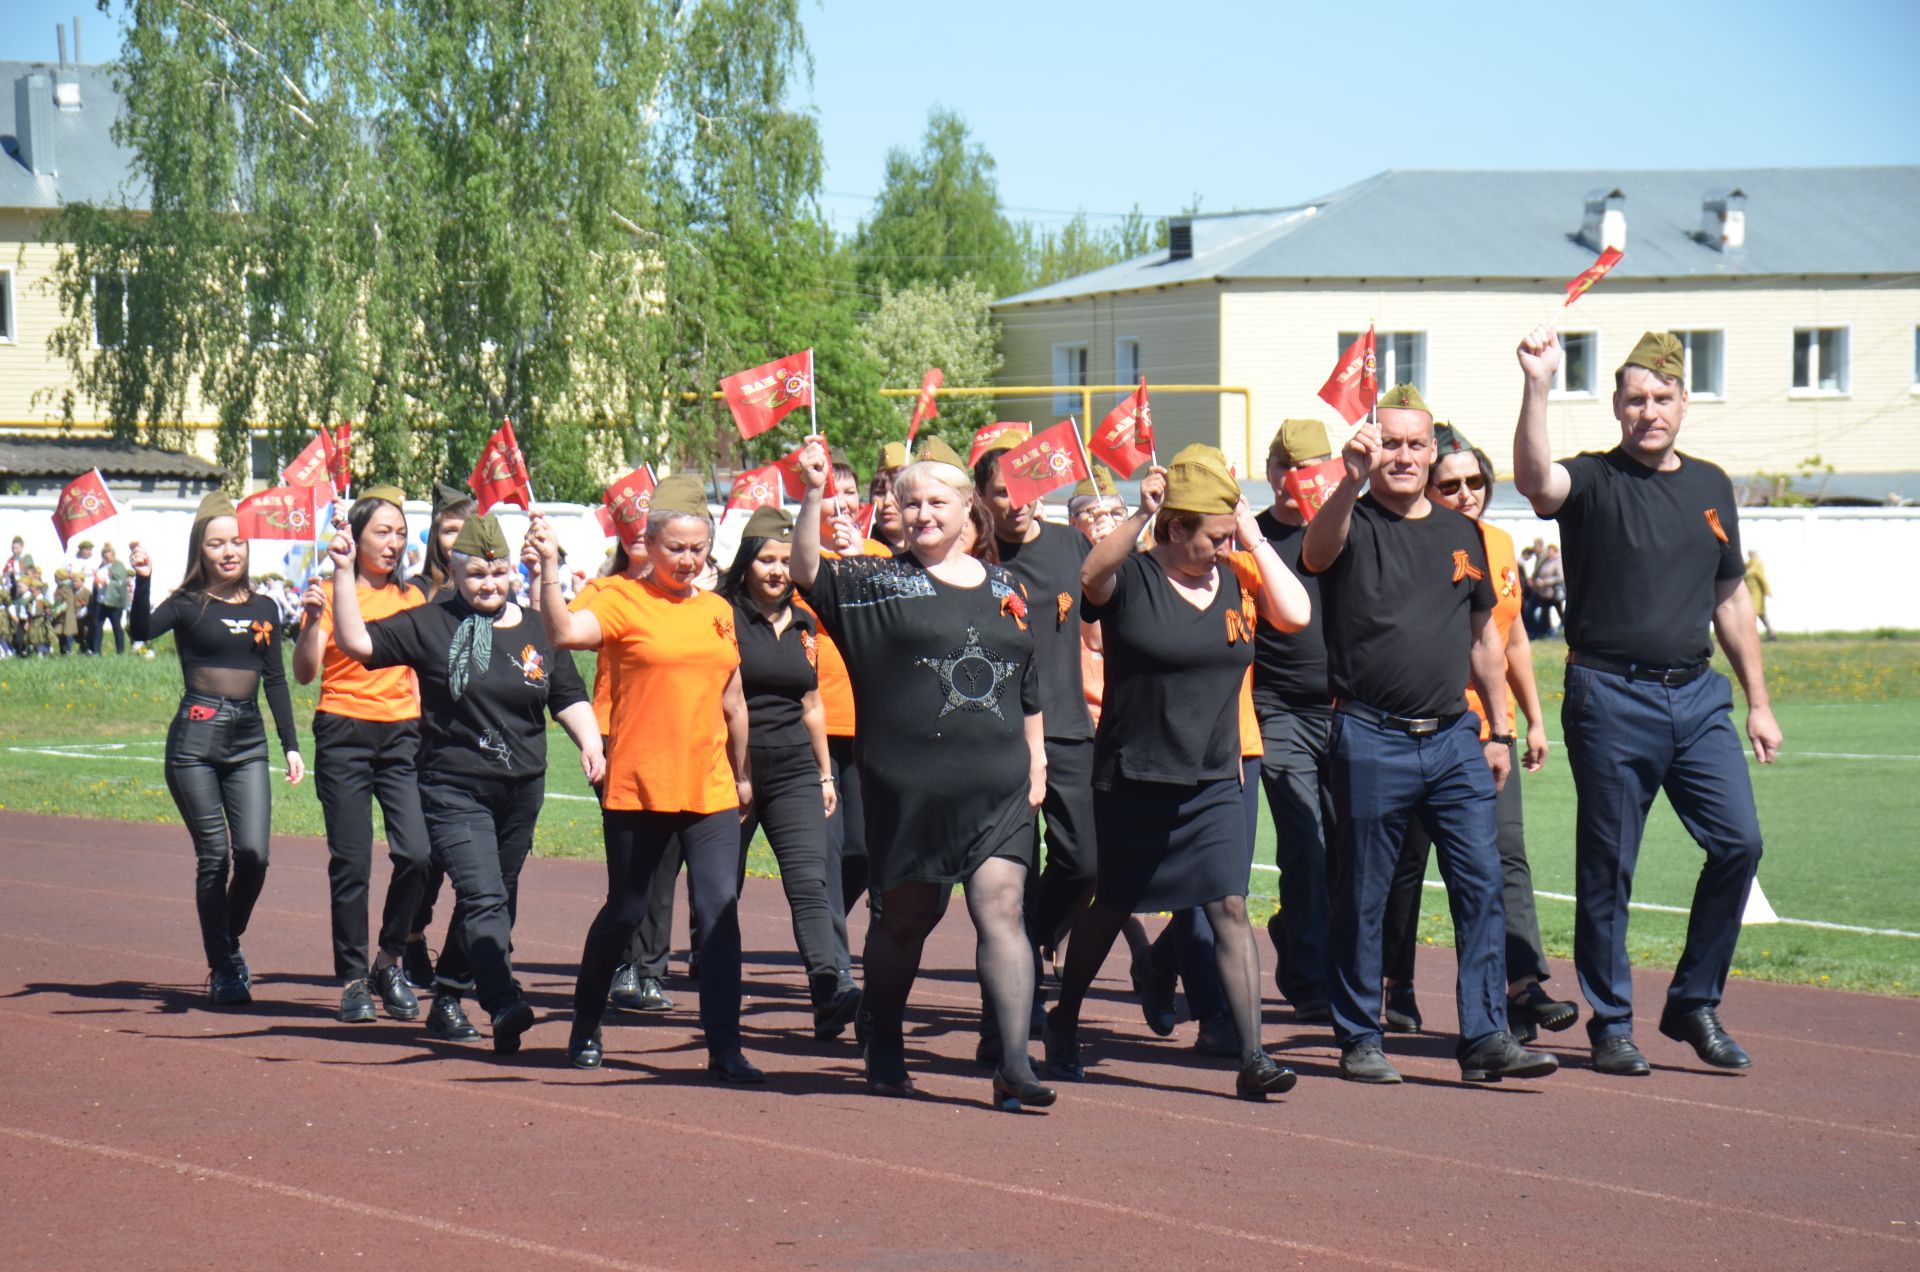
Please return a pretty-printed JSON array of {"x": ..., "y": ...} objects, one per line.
[
  {"x": 1652, "y": 556},
  {"x": 1295, "y": 708},
  {"x": 1407, "y": 601}
]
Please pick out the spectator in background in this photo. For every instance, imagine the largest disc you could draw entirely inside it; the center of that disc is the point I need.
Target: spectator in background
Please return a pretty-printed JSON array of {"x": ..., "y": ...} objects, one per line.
[
  {"x": 1759, "y": 590},
  {"x": 82, "y": 568},
  {"x": 66, "y": 622},
  {"x": 112, "y": 592},
  {"x": 1550, "y": 590}
]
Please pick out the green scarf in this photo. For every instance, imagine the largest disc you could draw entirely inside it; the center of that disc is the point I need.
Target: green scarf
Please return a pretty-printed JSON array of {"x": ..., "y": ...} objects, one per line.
[{"x": 471, "y": 650}]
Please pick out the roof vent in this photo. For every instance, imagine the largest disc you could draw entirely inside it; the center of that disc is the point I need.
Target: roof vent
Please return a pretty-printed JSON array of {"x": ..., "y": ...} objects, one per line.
[
  {"x": 33, "y": 122},
  {"x": 1723, "y": 220},
  {"x": 66, "y": 80},
  {"x": 1180, "y": 238},
  {"x": 1605, "y": 223}
]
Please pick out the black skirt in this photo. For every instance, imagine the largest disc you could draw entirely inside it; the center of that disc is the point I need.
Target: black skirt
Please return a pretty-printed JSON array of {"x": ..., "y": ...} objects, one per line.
[{"x": 1167, "y": 847}]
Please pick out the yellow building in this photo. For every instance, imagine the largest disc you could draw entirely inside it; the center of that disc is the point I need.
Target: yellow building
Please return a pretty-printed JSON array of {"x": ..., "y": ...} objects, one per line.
[{"x": 1797, "y": 291}]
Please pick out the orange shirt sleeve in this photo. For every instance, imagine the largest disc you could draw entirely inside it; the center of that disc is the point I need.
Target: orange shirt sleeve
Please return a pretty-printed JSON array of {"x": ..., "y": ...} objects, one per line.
[
  {"x": 1505, "y": 573},
  {"x": 347, "y": 689}
]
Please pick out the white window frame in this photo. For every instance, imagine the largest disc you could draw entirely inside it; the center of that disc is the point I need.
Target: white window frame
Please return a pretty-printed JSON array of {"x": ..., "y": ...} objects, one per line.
[
  {"x": 1719, "y": 392},
  {"x": 1560, "y": 389},
  {"x": 1119, "y": 343},
  {"x": 1387, "y": 357},
  {"x": 1813, "y": 389},
  {"x": 9, "y": 334},
  {"x": 1068, "y": 403}
]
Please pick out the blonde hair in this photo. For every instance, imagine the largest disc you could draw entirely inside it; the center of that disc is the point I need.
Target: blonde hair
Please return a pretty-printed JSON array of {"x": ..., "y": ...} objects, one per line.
[{"x": 932, "y": 470}]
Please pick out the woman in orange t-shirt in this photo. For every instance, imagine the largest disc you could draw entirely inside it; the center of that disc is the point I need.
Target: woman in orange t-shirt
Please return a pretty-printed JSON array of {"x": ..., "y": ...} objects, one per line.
[
  {"x": 1462, "y": 479},
  {"x": 366, "y": 735},
  {"x": 676, "y": 764}
]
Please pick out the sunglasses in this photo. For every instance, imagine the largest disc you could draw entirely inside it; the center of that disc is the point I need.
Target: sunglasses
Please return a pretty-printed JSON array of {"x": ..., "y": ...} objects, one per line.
[{"x": 1452, "y": 485}]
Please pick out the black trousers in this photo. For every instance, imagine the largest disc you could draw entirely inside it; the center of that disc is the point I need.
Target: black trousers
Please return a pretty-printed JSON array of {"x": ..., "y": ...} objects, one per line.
[
  {"x": 848, "y": 825},
  {"x": 355, "y": 762},
  {"x": 1056, "y": 892},
  {"x": 216, "y": 765},
  {"x": 1401, "y": 927},
  {"x": 787, "y": 805},
  {"x": 101, "y": 617},
  {"x": 481, "y": 832},
  {"x": 710, "y": 842},
  {"x": 1292, "y": 773}
]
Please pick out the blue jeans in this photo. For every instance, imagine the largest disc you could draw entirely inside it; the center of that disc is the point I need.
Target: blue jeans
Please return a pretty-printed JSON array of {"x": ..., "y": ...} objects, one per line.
[
  {"x": 1626, "y": 740},
  {"x": 1378, "y": 778}
]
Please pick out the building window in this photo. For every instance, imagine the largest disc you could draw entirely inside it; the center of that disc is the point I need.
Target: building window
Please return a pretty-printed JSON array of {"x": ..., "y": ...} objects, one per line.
[
  {"x": 1126, "y": 362},
  {"x": 1916, "y": 359},
  {"x": 1579, "y": 355},
  {"x": 1069, "y": 367},
  {"x": 1400, "y": 357},
  {"x": 1706, "y": 362},
  {"x": 109, "y": 310},
  {"x": 7, "y": 333},
  {"x": 1820, "y": 360}
]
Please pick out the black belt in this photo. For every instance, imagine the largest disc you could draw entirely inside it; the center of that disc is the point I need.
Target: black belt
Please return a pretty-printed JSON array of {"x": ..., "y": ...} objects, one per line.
[
  {"x": 1671, "y": 677},
  {"x": 1412, "y": 726}
]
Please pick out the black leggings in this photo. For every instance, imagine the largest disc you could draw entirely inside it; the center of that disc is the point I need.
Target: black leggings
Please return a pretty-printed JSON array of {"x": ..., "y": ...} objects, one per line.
[
  {"x": 216, "y": 763},
  {"x": 787, "y": 803},
  {"x": 635, "y": 842},
  {"x": 355, "y": 762}
]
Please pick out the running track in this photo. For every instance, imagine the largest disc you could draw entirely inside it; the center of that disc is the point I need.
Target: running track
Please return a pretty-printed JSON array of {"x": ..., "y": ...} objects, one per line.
[{"x": 139, "y": 1128}]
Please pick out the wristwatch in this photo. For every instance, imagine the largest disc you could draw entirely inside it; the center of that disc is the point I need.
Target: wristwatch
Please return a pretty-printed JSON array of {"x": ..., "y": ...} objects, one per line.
[{"x": 1504, "y": 739}]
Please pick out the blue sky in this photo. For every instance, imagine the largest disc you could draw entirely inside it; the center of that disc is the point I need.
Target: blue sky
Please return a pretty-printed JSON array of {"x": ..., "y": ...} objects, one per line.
[{"x": 1101, "y": 106}]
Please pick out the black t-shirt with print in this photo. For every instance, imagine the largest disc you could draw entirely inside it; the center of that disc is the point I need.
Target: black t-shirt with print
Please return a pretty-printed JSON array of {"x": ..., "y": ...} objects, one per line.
[
  {"x": 1399, "y": 600},
  {"x": 1290, "y": 668},
  {"x": 776, "y": 674},
  {"x": 1643, "y": 550},
  {"x": 1049, "y": 567},
  {"x": 214, "y": 637},
  {"x": 1171, "y": 708},
  {"x": 497, "y": 728}
]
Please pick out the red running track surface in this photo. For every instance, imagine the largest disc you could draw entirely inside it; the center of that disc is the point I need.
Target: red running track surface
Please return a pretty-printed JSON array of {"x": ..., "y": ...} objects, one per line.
[{"x": 140, "y": 1128}]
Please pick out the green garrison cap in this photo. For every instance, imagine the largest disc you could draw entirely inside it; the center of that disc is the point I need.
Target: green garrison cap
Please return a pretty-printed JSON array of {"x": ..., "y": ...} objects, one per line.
[
  {"x": 933, "y": 450},
  {"x": 216, "y": 504},
  {"x": 1404, "y": 397},
  {"x": 769, "y": 523},
  {"x": 1448, "y": 440},
  {"x": 445, "y": 496},
  {"x": 392, "y": 494},
  {"x": 680, "y": 494},
  {"x": 893, "y": 455},
  {"x": 1661, "y": 353},
  {"x": 482, "y": 537},
  {"x": 1300, "y": 442},
  {"x": 1098, "y": 486},
  {"x": 1199, "y": 480}
]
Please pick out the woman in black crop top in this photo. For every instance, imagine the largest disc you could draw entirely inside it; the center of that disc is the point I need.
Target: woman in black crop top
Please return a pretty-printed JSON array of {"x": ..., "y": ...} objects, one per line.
[{"x": 228, "y": 640}]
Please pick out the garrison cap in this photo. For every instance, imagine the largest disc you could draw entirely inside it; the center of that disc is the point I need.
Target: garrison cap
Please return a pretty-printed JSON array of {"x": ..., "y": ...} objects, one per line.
[
  {"x": 893, "y": 456},
  {"x": 392, "y": 494},
  {"x": 1098, "y": 486},
  {"x": 446, "y": 496},
  {"x": 933, "y": 450},
  {"x": 482, "y": 537},
  {"x": 1404, "y": 397},
  {"x": 1448, "y": 440},
  {"x": 682, "y": 495},
  {"x": 1659, "y": 352},
  {"x": 216, "y": 504},
  {"x": 1199, "y": 480},
  {"x": 769, "y": 523},
  {"x": 1300, "y": 442}
]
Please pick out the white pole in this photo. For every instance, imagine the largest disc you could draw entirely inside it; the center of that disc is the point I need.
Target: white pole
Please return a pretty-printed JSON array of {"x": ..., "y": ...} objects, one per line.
[{"x": 813, "y": 397}]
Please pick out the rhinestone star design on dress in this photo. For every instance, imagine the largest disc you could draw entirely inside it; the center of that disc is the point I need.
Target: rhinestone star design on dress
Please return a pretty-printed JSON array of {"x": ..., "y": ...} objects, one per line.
[{"x": 971, "y": 676}]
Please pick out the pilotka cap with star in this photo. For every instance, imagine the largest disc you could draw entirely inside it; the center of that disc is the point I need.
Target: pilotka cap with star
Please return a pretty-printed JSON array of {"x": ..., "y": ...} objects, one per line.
[
  {"x": 391, "y": 494},
  {"x": 1661, "y": 353},
  {"x": 769, "y": 523},
  {"x": 1404, "y": 397},
  {"x": 1448, "y": 440},
  {"x": 1300, "y": 442},
  {"x": 215, "y": 504},
  {"x": 680, "y": 494},
  {"x": 482, "y": 537}
]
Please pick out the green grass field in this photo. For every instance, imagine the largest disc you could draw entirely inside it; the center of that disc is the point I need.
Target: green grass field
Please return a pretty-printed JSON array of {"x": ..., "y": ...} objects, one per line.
[{"x": 83, "y": 737}]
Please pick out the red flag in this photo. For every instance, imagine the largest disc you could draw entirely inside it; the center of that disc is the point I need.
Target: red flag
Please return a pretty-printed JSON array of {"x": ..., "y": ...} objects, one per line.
[
  {"x": 1578, "y": 287},
  {"x": 760, "y": 398},
  {"x": 339, "y": 448},
  {"x": 282, "y": 512},
  {"x": 625, "y": 506},
  {"x": 1311, "y": 485},
  {"x": 309, "y": 467},
  {"x": 1048, "y": 460},
  {"x": 1352, "y": 389},
  {"x": 924, "y": 407},
  {"x": 85, "y": 502},
  {"x": 983, "y": 437},
  {"x": 756, "y": 488},
  {"x": 863, "y": 518},
  {"x": 794, "y": 481},
  {"x": 1124, "y": 440},
  {"x": 500, "y": 474}
]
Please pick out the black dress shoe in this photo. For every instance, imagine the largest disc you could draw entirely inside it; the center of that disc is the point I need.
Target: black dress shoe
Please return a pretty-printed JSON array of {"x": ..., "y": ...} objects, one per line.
[
  {"x": 1156, "y": 1001},
  {"x": 1534, "y": 1006},
  {"x": 1701, "y": 1029},
  {"x": 732, "y": 1067},
  {"x": 1618, "y": 1056},
  {"x": 1218, "y": 1037},
  {"x": 1063, "y": 1050},
  {"x": 1400, "y": 1013},
  {"x": 509, "y": 1023},
  {"x": 625, "y": 990},
  {"x": 418, "y": 965},
  {"x": 584, "y": 1053},
  {"x": 240, "y": 967},
  {"x": 447, "y": 1020},
  {"x": 831, "y": 1019},
  {"x": 395, "y": 995},
  {"x": 1011, "y": 1097},
  {"x": 227, "y": 987},
  {"x": 1501, "y": 1057},
  {"x": 1263, "y": 1076},
  {"x": 356, "y": 1004},
  {"x": 1365, "y": 1062}
]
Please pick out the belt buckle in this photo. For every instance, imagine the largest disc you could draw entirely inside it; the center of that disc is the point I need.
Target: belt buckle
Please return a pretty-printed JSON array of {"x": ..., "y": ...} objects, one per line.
[
  {"x": 1674, "y": 677},
  {"x": 1421, "y": 728}
]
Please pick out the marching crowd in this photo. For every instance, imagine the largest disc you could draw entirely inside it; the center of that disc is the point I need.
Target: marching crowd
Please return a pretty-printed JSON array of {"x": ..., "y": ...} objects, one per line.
[{"x": 1071, "y": 723}]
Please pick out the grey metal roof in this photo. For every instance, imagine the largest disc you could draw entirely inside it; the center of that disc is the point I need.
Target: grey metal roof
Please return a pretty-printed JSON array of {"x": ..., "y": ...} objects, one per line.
[
  {"x": 25, "y": 455},
  {"x": 1405, "y": 223},
  {"x": 92, "y": 167}
]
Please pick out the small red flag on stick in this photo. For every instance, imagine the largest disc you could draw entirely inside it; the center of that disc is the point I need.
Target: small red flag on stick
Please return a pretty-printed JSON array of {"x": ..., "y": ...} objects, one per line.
[
  {"x": 1124, "y": 440},
  {"x": 625, "y": 504},
  {"x": 339, "y": 448},
  {"x": 309, "y": 467},
  {"x": 500, "y": 474},
  {"x": 84, "y": 502},
  {"x": 1311, "y": 485},
  {"x": 282, "y": 512},
  {"x": 1050, "y": 459},
  {"x": 756, "y": 488},
  {"x": 1578, "y": 287},
  {"x": 1352, "y": 388},
  {"x": 791, "y": 478},
  {"x": 924, "y": 407},
  {"x": 761, "y": 397}
]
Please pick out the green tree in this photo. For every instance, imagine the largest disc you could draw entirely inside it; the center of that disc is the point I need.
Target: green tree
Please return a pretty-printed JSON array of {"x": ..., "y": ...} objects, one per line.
[
  {"x": 939, "y": 217},
  {"x": 937, "y": 325},
  {"x": 1076, "y": 248}
]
